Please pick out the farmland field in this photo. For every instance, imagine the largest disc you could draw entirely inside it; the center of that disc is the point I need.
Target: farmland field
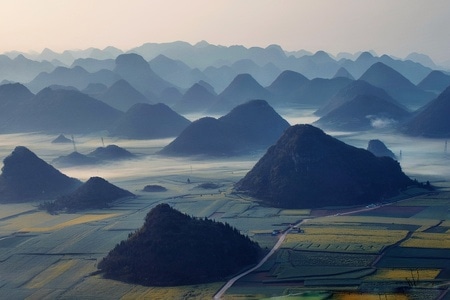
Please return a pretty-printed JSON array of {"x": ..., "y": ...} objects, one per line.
[{"x": 342, "y": 253}]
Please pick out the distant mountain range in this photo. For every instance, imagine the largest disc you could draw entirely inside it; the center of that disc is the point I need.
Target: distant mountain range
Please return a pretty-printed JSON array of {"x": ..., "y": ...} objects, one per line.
[{"x": 209, "y": 80}]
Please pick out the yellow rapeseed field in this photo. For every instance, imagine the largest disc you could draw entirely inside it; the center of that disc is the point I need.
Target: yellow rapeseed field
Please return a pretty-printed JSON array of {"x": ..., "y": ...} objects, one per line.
[
  {"x": 50, "y": 274},
  {"x": 372, "y": 220},
  {"x": 295, "y": 212},
  {"x": 344, "y": 239},
  {"x": 201, "y": 291},
  {"x": 401, "y": 274},
  {"x": 428, "y": 240},
  {"x": 360, "y": 296},
  {"x": 79, "y": 220}
]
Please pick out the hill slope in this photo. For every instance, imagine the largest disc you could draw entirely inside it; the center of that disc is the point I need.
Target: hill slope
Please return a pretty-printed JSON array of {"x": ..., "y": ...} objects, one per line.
[
  {"x": 147, "y": 121},
  {"x": 433, "y": 120},
  {"x": 93, "y": 194},
  {"x": 64, "y": 111},
  {"x": 26, "y": 177},
  {"x": 211, "y": 251},
  {"x": 248, "y": 127},
  {"x": 364, "y": 112},
  {"x": 399, "y": 87},
  {"x": 307, "y": 168}
]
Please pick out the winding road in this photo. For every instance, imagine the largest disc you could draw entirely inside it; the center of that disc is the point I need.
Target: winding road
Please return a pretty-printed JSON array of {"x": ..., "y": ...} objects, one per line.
[
  {"x": 281, "y": 239},
  {"x": 222, "y": 291}
]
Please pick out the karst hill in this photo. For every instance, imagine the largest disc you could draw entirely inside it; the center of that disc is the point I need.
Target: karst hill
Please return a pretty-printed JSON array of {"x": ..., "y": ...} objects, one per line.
[
  {"x": 151, "y": 256},
  {"x": 26, "y": 177},
  {"x": 307, "y": 168}
]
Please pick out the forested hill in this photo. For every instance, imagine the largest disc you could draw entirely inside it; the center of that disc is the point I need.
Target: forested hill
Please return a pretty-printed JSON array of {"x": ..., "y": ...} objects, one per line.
[{"x": 172, "y": 248}]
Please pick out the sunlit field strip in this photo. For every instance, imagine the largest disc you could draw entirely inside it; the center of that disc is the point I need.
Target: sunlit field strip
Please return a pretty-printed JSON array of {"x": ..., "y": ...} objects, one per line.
[
  {"x": 201, "y": 291},
  {"x": 370, "y": 241},
  {"x": 50, "y": 274},
  {"x": 365, "y": 231},
  {"x": 373, "y": 220},
  {"x": 295, "y": 212},
  {"x": 343, "y": 239},
  {"x": 360, "y": 296},
  {"x": 401, "y": 274},
  {"x": 80, "y": 220},
  {"x": 441, "y": 199},
  {"x": 428, "y": 240}
]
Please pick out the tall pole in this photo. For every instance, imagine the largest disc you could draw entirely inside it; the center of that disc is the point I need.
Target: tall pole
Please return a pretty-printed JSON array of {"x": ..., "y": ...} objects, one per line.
[{"x": 74, "y": 146}]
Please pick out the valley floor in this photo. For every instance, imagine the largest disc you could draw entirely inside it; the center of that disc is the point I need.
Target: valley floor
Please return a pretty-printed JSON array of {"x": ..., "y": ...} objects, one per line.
[{"x": 394, "y": 250}]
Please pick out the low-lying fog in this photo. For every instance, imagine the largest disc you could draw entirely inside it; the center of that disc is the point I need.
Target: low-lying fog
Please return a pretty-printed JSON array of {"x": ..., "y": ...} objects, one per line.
[{"x": 423, "y": 159}]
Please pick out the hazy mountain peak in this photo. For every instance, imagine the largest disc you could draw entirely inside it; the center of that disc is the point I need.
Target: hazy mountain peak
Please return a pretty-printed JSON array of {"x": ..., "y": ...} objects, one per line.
[
  {"x": 343, "y": 72},
  {"x": 131, "y": 60}
]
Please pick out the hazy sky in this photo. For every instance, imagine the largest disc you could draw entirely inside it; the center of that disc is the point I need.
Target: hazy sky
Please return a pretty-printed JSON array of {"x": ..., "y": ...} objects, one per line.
[{"x": 395, "y": 27}]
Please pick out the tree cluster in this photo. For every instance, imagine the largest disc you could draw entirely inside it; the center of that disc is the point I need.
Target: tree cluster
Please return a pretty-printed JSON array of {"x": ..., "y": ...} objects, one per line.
[{"x": 172, "y": 248}]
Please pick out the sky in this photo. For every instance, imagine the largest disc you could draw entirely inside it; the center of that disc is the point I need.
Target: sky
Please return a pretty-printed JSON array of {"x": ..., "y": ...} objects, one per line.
[{"x": 395, "y": 27}]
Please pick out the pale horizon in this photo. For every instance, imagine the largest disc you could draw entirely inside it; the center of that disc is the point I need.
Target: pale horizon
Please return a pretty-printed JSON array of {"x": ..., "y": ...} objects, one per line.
[{"x": 396, "y": 28}]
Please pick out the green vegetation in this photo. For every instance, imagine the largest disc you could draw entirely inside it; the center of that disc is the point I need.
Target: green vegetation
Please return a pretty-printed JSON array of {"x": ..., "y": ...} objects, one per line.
[{"x": 211, "y": 251}]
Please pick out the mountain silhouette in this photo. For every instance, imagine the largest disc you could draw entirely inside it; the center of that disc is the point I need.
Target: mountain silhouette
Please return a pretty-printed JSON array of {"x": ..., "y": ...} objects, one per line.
[
  {"x": 421, "y": 59},
  {"x": 13, "y": 98},
  {"x": 243, "y": 88},
  {"x": 433, "y": 120},
  {"x": 99, "y": 155},
  {"x": 93, "y": 65},
  {"x": 61, "y": 139},
  {"x": 26, "y": 177},
  {"x": 318, "y": 91},
  {"x": 378, "y": 148},
  {"x": 363, "y": 112},
  {"x": 413, "y": 71},
  {"x": 249, "y": 127},
  {"x": 96, "y": 193},
  {"x": 76, "y": 77},
  {"x": 285, "y": 84},
  {"x": 22, "y": 69},
  {"x": 110, "y": 152},
  {"x": 175, "y": 71},
  {"x": 147, "y": 121},
  {"x": 343, "y": 72},
  {"x": 121, "y": 95},
  {"x": 307, "y": 168},
  {"x": 66, "y": 111},
  {"x": 349, "y": 92},
  {"x": 212, "y": 251},
  {"x": 400, "y": 88},
  {"x": 94, "y": 90},
  {"x": 74, "y": 159},
  {"x": 196, "y": 99},
  {"x": 436, "y": 81},
  {"x": 134, "y": 69},
  {"x": 360, "y": 64},
  {"x": 170, "y": 96}
]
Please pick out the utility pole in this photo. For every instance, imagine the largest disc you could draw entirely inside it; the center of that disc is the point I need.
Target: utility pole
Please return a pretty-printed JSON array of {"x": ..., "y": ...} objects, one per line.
[{"x": 74, "y": 146}]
